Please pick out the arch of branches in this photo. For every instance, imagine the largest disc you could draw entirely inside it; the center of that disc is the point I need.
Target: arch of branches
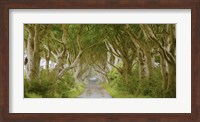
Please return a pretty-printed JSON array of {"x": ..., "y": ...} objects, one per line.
[{"x": 88, "y": 50}]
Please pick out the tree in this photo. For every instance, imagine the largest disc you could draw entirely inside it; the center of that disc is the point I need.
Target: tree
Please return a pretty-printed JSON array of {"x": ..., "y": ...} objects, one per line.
[
  {"x": 87, "y": 50},
  {"x": 35, "y": 33},
  {"x": 168, "y": 54},
  {"x": 146, "y": 48}
]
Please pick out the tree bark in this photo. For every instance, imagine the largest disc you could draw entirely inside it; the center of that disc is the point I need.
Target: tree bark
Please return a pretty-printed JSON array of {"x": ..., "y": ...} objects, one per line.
[
  {"x": 145, "y": 48},
  {"x": 33, "y": 53},
  {"x": 171, "y": 86},
  {"x": 164, "y": 71},
  {"x": 47, "y": 65},
  {"x": 143, "y": 71},
  {"x": 149, "y": 63},
  {"x": 35, "y": 33}
]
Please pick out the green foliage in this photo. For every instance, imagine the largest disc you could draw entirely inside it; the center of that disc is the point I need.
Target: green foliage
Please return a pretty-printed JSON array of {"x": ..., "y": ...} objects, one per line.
[
  {"x": 32, "y": 95},
  {"x": 39, "y": 86},
  {"x": 136, "y": 88},
  {"x": 42, "y": 87},
  {"x": 152, "y": 86},
  {"x": 118, "y": 88},
  {"x": 77, "y": 90},
  {"x": 119, "y": 93},
  {"x": 96, "y": 40}
]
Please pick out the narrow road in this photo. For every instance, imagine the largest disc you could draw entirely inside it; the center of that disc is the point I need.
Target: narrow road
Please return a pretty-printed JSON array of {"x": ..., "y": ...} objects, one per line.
[{"x": 93, "y": 90}]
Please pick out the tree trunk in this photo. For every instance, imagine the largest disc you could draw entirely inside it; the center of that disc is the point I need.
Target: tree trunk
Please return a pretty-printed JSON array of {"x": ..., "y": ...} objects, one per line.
[
  {"x": 126, "y": 70},
  {"x": 54, "y": 74},
  {"x": 164, "y": 71},
  {"x": 171, "y": 86},
  {"x": 143, "y": 69},
  {"x": 145, "y": 48},
  {"x": 149, "y": 62},
  {"x": 33, "y": 49},
  {"x": 47, "y": 65},
  {"x": 33, "y": 54}
]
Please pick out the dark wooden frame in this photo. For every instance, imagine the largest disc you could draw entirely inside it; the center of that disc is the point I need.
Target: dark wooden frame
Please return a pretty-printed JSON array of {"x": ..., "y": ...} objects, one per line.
[{"x": 5, "y": 5}]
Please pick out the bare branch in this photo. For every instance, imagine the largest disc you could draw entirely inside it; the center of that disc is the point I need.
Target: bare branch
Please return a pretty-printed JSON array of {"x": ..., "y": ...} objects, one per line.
[
  {"x": 99, "y": 67},
  {"x": 46, "y": 30},
  {"x": 134, "y": 38},
  {"x": 119, "y": 69},
  {"x": 79, "y": 37},
  {"x": 28, "y": 28},
  {"x": 53, "y": 36},
  {"x": 71, "y": 66},
  {"x": 103, "y": 73},
  {"x": 114, "y": 53},
  {"x": 111, "y": 50},
  {"x": 91, "y": 46},
  {"x": 56, "y": 57},
  {"x": 167, "y": 54}
]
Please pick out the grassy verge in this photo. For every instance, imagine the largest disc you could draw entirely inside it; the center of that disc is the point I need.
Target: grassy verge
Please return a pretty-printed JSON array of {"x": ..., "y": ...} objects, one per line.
[
  {"x": 116, "y": 93},
  {"x": 76, "y": 92},
  {"x": 66, "y": 91},
  {"x": 32, "y": 95}
]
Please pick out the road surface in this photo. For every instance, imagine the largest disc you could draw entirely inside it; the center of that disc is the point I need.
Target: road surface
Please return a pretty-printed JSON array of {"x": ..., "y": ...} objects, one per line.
[{"x": 93, "y": 90}]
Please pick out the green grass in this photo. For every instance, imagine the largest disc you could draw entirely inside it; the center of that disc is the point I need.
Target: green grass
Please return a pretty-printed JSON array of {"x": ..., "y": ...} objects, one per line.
[
  {"x": 32, "y": 95},
  {"x": 76, "y": 92},
  {"x": 63, "y": 90},
  {"x": 120, "y": 94}
]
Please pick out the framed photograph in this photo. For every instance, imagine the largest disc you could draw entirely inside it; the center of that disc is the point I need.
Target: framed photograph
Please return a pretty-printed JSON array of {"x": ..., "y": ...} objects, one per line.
[{"x": 99, "y": 60}]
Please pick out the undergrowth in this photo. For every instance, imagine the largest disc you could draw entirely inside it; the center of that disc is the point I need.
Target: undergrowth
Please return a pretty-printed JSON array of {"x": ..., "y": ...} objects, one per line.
[
  {"x": 66, "y": 87},
  {"x": 117, "y": 87}
]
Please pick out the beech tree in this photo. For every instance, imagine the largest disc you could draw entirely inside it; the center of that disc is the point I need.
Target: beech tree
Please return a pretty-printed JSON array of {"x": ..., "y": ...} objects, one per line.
[
  {"x": 167, "y": 47},
  {"x": 145, "y": 50},
  {"x": 35, "y": 33}
]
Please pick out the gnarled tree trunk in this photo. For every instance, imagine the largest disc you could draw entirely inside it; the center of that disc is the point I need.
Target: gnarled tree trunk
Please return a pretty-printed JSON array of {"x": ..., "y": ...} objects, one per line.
[
  {"x": 33, "y": 52},
  {"x": 164, "y": 70}
]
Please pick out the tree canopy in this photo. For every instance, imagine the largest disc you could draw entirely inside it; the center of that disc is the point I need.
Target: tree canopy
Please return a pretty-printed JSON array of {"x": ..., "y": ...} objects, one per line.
[{"x": 139, "y": 59}]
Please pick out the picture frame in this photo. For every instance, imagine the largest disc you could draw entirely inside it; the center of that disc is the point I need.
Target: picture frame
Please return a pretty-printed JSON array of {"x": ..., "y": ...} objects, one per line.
[{"x": 194, "y": 5}]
